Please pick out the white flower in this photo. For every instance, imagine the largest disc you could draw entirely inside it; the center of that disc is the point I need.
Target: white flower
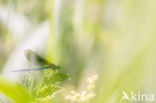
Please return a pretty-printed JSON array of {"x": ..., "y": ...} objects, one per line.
[
  {"x": 95, "y": 77},
  {"x": 91, "y": 86},
  {"x": 68, "y": 97},
  {"x": 90, "y": 80},
  {"x": 72, "y": 92},
  {"x": 77, "y": 94},
  {"x": 73, "y": 98},
  {"x": 84, "y": 95},
  {"x": 82, "y": 99},
  {"x": 91, "y": 95}
]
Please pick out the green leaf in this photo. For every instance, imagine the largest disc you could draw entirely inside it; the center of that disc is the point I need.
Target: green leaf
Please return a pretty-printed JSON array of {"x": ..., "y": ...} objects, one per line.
[
  {"x": 48, "y": 91},
  {"x": 59, "y": 77},
  {"x": 14, "y": 91}
]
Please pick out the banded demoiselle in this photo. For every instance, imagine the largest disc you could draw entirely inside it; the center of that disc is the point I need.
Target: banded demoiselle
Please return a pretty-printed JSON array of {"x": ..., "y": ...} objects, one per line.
[{"x": 37, "y": 59}]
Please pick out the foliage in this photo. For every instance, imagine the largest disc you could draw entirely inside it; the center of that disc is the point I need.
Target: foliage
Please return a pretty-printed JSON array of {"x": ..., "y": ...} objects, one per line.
[
  {"x": 43, "y": 85},
  {"x": 14, "y": 91},
  {"x": 40, "y": 86}
]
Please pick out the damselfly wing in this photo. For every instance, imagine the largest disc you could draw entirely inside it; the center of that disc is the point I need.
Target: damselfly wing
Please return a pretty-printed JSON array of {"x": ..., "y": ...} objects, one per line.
[{"x": 37, "y": 59}]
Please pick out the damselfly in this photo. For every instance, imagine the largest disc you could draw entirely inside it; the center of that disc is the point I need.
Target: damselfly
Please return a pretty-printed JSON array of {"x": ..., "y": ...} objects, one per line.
[{"x": 37, "y": 59}]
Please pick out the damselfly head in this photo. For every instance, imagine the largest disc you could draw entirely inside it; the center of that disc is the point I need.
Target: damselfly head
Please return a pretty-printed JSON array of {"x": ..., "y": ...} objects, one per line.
[{"x": 55, "y": 66}]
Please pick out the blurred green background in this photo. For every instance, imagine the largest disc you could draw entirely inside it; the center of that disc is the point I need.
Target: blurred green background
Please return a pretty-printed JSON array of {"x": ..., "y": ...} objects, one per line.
[{"x": 112, "y": 38}]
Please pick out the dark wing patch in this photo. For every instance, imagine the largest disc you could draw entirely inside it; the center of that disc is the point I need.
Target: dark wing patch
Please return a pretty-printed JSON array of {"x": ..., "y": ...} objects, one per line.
[{"x": 35, "y": 58}]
